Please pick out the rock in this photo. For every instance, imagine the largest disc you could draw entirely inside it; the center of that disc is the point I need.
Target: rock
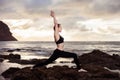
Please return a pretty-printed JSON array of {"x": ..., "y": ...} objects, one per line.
[
  {"x": 55, "y": 73},
  {"x": 5, "y": 34},
  {"x": 117, "y": 58},
  {"x": 98, "y": 57},
  {"x": 25, "y": 74},
  {"x": 14, "y": 56},
  {"x": 94, "y": 62},
  {"x": 64, "y": 61},
  {"x": 10, "y": 56},
  {"x": 99, "y": 71},
  {"x": 1, "y": 59},
  {"x": 25, "y": 62},
  {"x": 12, "y": 50},
  {"x": 1, "y": 78},
  {"x": 17, "y": 49},
  {"x": 62, "y": 73},
  {"x": 9, "y": 73}
]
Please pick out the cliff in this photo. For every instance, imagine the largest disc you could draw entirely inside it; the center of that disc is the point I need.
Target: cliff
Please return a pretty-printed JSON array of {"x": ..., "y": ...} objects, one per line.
[{"x": 5, "y": 34}]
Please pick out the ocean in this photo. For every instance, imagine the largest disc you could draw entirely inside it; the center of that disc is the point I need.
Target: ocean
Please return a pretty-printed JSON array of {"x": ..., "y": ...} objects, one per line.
[
  {"x": 46, "y": 48},
  {"x": 39, "y": 49}
]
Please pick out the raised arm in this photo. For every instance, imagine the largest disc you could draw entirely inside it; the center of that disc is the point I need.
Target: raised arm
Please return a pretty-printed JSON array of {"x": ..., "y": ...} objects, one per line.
[
  {"x": 54, "y": 18},
  {"x": 56, "y": 31}
]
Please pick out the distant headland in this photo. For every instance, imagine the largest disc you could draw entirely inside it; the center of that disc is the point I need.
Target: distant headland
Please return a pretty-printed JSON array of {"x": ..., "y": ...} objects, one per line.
[{"x": 5, "y": 34}]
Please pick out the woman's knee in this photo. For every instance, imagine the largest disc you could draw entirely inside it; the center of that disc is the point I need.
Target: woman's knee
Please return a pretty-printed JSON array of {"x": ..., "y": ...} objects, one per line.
[{"x": 75, "y": 55}]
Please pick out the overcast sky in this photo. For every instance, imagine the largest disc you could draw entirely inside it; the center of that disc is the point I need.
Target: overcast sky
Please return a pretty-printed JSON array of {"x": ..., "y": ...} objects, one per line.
[{"x": 82, "y": 20}]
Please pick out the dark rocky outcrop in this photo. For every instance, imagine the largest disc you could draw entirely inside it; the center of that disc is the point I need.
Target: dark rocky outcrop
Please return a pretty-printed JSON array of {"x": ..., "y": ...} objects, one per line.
[
  {"x": 97, "y": 57},
  {"x": 94, "y": 62},
  {"x": 5, "y": 34},
  {"x": 25, "y": 62},
  {"x": 59, "y": 73},
  {"x": 12, "y": 50},
  {"x": 9, "y": 73},
  {"x": 1, "y": 59},
  {"x": 10, "y": 56}
]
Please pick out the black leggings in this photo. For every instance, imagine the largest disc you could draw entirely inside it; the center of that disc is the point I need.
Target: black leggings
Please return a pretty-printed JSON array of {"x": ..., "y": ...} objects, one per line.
[{"x": 58, "y": 53}]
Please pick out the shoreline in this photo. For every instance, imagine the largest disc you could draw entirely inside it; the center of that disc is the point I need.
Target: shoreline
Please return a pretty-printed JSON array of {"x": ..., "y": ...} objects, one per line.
[{"x": 95, "y": 61}]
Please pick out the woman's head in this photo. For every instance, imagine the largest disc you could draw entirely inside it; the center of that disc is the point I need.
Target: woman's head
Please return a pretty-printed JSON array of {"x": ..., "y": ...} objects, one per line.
[{"x": 59, "y": 27}]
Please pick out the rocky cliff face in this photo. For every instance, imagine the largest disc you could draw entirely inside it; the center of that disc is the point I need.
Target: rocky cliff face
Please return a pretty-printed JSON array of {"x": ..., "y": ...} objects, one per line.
[{"x": 5, "y": 34}]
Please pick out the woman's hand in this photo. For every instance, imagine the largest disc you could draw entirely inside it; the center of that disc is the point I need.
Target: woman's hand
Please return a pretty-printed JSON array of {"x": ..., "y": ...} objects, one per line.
[{"x": 52, "y": 14}]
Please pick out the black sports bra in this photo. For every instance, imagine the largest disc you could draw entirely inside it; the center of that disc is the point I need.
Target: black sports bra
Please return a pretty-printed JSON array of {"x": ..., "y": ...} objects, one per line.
[{"x": 61, "y": 40}]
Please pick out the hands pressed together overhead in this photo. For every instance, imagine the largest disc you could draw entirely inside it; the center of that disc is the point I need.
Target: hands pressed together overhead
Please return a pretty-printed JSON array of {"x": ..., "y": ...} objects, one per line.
[{"x": 52, "y": 14}]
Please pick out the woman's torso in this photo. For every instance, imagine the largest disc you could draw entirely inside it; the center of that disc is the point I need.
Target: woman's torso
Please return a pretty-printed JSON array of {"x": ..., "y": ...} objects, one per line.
[{"x": 60, "y": 43}]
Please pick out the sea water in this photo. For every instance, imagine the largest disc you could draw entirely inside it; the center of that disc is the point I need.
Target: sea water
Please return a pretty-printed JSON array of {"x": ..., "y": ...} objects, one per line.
[
  {"x": 40, "y": 49},
  {"x": 46, "y": 48}
]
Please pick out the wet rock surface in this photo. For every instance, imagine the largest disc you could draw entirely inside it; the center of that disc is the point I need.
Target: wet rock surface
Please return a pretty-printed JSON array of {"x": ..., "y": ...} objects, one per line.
[
  {"x": 103, "y": 59},
  {"x": 93, "y": 63},
  {"x": 59, "y": 73},
  {"x": 9, "y": 73},
  {"x": 1, "y": 59},
  {"x": 26, "y": 62},
  {"x": 10, "y": 56}
]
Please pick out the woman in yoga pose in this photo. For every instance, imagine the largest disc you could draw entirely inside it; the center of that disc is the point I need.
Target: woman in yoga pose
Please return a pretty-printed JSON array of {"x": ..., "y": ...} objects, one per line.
[{"x": 59, "y": 51}]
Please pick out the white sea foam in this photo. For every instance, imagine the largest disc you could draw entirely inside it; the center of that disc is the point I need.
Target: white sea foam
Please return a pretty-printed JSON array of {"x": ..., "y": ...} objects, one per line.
[{"x": 115, "y": 71}]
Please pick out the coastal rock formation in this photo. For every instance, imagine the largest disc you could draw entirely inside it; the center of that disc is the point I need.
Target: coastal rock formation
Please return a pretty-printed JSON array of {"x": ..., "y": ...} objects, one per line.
[
  {"x": 9, "y": 73},
  {"x": 97, "y": 57},
  {"x": 26, "y": 62},
  {"x": 10, "y": 56},
  {"x": 5, "y": 34},
  {"x": 59, "y": 73},
  {"x": 94, "y": 63},
  {"x": 1, "y": 59},
  {"x": 2, "y": 78}
]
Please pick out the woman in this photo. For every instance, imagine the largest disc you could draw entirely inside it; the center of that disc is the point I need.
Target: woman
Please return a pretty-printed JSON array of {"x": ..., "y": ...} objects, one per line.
[{"x": 59, "y": 40}]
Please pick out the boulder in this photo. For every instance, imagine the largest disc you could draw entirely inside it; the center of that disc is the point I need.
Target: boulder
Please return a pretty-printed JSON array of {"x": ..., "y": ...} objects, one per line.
[
  {"x": 10, "y": 56},
  {"x": 101, "y": 58},
  {"x": 9, "y": 73},
  {"x": 98, "y": 71}
]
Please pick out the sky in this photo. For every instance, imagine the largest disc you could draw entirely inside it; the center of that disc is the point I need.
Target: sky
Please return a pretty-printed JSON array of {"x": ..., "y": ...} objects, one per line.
[{"x": 82, "y": 20}]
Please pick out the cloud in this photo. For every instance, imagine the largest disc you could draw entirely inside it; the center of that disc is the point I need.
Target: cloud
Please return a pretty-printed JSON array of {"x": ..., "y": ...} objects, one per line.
[
  {"x": 69, "y": 22},
  {"x": 88, "y": 8},
  {"x": 2, "y": 2},
  {"x": 100, "y": 26},
  {"x": 24, "y": 8},
  {"x": 37, "y": 3},
  {"x": 84, "y": 28},
  {"x": 37, "y": 6},
  {"x": 107, "y": 6},
  {"x": 18, "y": 23},
  {"x": 114, "y": 30},
  {"x": 28, "y": 29},
  {"x": 40, "y": 8},
  {"x": 94, "y": 18},
  {"x": 91, "y": 29}
]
